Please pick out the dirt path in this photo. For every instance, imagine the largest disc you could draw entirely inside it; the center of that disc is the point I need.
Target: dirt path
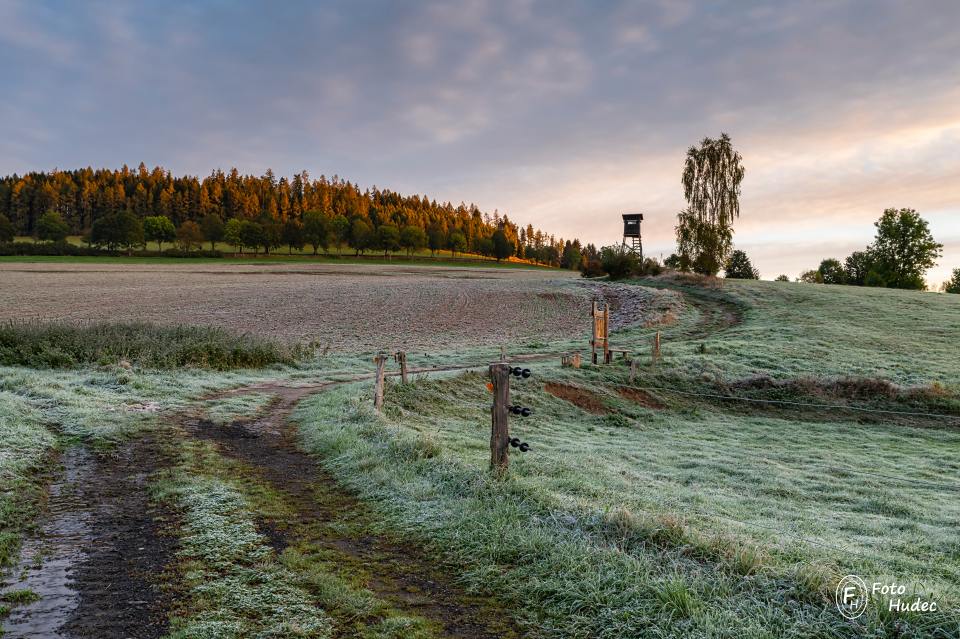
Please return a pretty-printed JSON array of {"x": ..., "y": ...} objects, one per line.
[
  {"x": 97, "y": 562},
  {"x": 404, "y": 576}
]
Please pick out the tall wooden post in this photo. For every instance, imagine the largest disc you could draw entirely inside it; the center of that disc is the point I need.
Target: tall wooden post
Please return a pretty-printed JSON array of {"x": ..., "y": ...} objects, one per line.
[
  {"x": 606, "y": 334},
  {"x": 656, "y": 347},
  {"x": 401, "y": 358},
  {"x": 503, "y": 353},
  {"x": 499, "y": 423},
  {"x": 381, "y": 360},
  {"x": 633, "y": 370},
  {"x": 601, "y": 333},
  {"x": 593, "y": 340}
]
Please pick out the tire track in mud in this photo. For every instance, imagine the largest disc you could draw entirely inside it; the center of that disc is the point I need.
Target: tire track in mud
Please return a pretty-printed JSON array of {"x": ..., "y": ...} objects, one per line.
[
  {"x": 404, "y": 576},
  {"x": 102, "y": 548}
]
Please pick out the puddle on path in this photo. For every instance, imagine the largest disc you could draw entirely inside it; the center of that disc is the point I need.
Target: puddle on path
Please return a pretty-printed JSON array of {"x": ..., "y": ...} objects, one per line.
[
  {"x": 48, "y": 561},
  {"x": 102, "y": 546}
]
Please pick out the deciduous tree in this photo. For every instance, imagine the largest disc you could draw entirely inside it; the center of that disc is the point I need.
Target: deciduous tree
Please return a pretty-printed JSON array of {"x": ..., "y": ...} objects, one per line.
[
  {"x": 904, "y": 249},
  {"x": 212, "y": 227},
  {"x": 6, "y": 229},
  {"x": 315, "y": 230},
  {"x": 412, "y": 238},
  {"x": 361, "y": 235},
  {"x": 251, "y": 235},
  {"x": 294, "y": 236},
  {"x": 832, "y": 272},
  {"x": 711, "y": 180},
  {"x": 340, "y": 231},
  {"x": 159, "y": 229},
  {"x": 458, "y": 243},
  {"x": 388, "y": 238},
  {"x": 233, "y": 233},
  {"x": 51, "y": 227},
  {"x": 189, "y": 235}
]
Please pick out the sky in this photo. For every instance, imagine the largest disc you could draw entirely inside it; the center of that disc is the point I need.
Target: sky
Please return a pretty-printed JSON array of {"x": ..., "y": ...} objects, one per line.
[{"x": 560, "y": 114}]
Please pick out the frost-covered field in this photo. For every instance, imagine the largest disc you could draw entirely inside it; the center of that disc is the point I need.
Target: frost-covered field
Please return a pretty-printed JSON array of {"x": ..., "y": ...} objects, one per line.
[{"x": 346, "y": 306}]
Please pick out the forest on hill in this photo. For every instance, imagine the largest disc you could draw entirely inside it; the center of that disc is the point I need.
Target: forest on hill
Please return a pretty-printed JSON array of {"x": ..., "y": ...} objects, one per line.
[{"x": 108, "y": 207}]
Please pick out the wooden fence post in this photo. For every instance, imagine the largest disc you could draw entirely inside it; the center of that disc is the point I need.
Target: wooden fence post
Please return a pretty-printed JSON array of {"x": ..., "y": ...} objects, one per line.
[
  {"x": 607, "y": 357},
  {"x": 656, "y": 347},
  {"x": 633, "y": 369},
  {"x": 503, "y": 353},
  {"x": 401, "y": 358},
  {"x": 593, "y": 340},
  {"x": 381, "y": 360},
  {"x": 499, "y": 423}
]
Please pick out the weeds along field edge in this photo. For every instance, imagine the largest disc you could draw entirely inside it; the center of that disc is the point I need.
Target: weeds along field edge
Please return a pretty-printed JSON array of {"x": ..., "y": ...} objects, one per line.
[
  {"x": 676, "y": 523},
  {"x": 63, "y": 344}
]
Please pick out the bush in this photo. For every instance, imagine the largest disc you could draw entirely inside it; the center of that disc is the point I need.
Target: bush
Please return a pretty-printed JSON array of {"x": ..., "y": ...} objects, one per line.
[
  {"x": 61, "y": 345},
  {"x": 48, "y": 248},
  {"x": 811, "y": 277},
  {"x": 832, "y": 272},
  {"x": 782, "y": 278},
  {"x": 591, "y": 268},
  {"x": 618, "y": 263},
  {"x": 651, "y": 266},
  {"x": 179, "y": 252},
  {"x": 953, "y": 284}
]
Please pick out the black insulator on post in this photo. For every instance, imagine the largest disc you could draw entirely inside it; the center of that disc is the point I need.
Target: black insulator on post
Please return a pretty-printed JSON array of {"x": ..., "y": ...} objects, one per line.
[
  {"x": 525, "y": 412},
  {"x": 524, "y": 447},
  {"x": 525, "y": 373}
]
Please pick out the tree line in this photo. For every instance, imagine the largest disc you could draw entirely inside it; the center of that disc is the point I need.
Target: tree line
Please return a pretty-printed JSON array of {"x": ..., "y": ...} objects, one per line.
[{"x": 126, "y": 208}]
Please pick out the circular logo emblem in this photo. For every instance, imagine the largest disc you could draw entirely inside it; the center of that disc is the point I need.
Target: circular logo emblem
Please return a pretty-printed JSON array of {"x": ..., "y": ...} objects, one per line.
[{"x": 851, "y": 596}]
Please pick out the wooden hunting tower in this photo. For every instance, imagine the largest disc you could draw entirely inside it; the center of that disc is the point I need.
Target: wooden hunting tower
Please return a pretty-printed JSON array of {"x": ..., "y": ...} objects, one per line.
[{"x": 631, "y": 233}]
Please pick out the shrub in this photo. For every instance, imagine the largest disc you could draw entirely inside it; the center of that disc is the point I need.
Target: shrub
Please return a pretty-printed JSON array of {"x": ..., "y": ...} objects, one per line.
[
  {"x": 811, "y": 277},
  {"x": 650, "y": 266},
  {"x": 591, "y": 268},
  {"x": 832, "y": 272},
  {"x": 953, "y": 284},
  {"x": 782, "y": 278},
  {"x": 59, "y": 345},
  {"x": 618, "y": 263},
  {"x": 47, "y": 248}
]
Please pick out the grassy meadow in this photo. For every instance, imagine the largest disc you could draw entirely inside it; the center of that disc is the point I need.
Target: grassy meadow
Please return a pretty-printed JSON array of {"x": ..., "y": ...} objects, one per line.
[{"x": 663, "y": 507}]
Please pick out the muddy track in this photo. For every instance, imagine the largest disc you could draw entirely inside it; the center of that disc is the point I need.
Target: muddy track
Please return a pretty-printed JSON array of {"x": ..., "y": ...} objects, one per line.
[
  {"x": 406, "y": 577},
  {"x": 716, "y": 315},
  {"x": 102, "y": 549}
]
